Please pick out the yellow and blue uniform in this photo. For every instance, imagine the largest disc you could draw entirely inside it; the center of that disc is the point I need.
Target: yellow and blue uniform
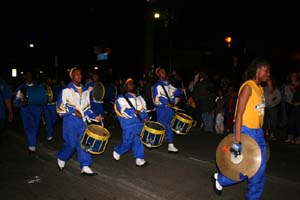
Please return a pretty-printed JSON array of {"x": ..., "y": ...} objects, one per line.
[
  {"x": 252, "y": 123},
  {"x": 160, "y": 100},
  {"x": 74, "y": 98},
  {"x": 130, "y": 123}
]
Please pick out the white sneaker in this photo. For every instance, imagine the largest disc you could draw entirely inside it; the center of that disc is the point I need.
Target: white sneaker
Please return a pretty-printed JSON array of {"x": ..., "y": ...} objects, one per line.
[
  {"x": 61, "y": 164},
  {"x": 116, "y": 155},
  {"x": 140, "y": 162},
  {"x": 87, "y": 171},
  {"x": 172, "y": 148},
  {"x": 32, "y": 148},
  {"x": 218, "y": 186},
  {"x": 49, "y": 138}
]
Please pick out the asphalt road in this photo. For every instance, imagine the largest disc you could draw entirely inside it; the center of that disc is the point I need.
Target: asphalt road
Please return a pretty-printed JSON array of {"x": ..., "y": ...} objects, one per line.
[{"x": 185, "y": 175}]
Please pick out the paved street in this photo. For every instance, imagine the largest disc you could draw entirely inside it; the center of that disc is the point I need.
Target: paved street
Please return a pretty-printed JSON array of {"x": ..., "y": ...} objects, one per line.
[{"x": 168, "y": 176}]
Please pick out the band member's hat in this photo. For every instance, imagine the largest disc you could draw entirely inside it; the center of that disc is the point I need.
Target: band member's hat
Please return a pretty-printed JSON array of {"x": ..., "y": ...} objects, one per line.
[
  {"x": 72, "y": 70},
  {"x": 157, "y": 70},
  {"x": 128, "y": 80}
]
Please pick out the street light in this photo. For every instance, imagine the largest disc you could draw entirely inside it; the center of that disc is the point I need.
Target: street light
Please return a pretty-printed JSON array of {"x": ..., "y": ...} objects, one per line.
[
  {"x": 31, "y": 45},
  {"x": 228, "y": 40},
  {"x": 156, "y": 15}
]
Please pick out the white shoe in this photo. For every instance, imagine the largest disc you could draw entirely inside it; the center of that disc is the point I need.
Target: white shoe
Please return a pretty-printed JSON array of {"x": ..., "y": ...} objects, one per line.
[
  {"x": 172, "y": 148},
  {"x": 87, "y": 171},
  {"x": 218, "y": 186},
  {"x": 32, "y": 148},
  {"x": 49, "y": 138},
  {"x": 140, "y": 162},
  {"x": 116, "y": 155},
  {"x": 61, "y": 164}
]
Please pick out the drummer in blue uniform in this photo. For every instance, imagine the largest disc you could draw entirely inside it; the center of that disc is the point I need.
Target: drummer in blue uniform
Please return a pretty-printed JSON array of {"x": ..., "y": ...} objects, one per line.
[
  {"x": 30, "y": 114},
  {"x": 131, "y": 111},
  {"x": 163, "y": 94},
  {"x": 73, "y": 104}
]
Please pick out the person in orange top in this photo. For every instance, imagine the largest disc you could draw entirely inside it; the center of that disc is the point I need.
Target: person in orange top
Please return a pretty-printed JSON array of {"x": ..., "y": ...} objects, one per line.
[{"x": 249, "y": 120}]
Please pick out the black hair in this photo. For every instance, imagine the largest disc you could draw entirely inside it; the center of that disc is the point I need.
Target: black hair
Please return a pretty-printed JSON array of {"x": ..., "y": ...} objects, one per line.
[{"x": 254, "y": 65}]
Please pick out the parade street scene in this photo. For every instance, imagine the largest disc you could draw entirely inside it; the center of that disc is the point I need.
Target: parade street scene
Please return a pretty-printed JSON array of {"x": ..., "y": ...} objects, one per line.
[{"x": 150, "y": 100}]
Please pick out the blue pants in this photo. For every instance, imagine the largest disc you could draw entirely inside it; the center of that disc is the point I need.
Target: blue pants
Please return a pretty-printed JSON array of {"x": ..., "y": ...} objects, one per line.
[
  {"x": 97, "y": 108},
  {"x": 131, "y": 140},
  {"x": 31, "y": 116},
  {"x": 73, "y": 129},
  {"x": 165, "y": 116},
  {"x": 255, "y": 183},
  {"x": 50, "y": 117}
]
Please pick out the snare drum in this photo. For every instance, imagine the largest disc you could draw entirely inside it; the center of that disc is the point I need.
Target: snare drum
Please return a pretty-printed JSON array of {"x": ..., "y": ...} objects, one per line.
[
  {"x": 36, "y": 95},
  {"x": 181, "y": 123},
  {"x": 95, "y": 139},
  {"x": 153, "y": 134}
]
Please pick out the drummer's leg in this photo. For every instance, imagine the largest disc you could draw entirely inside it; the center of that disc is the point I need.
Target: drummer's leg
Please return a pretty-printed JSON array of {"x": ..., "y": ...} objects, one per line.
[
  {"x": 256, "y": 183},
  {"x": 138, "y": 147},
  {"x": 85, "y": 158},
  {"x": 31, "y": 120},
  {"x": 50, "y": 116},
  {"x": 164, "y": 116},
  {"x": 127, "y": 140},
  {"x": 70, "y": 138}
]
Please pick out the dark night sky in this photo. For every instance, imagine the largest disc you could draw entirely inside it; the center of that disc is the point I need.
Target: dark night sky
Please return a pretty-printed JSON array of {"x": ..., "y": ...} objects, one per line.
[{"x": 72, "y": 30}]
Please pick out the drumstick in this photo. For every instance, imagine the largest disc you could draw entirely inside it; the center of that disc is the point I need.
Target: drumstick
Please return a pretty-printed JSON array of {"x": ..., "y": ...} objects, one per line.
[
  {"x": 177, "y": 109},
  {"x": 184, "y": 92},
  {"x": 151, "y": 110}
]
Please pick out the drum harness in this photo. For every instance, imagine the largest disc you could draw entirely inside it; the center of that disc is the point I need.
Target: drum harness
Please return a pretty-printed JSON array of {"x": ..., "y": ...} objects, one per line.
[
  {"x": 165, "y": 92},
  {"x": 130, "y": 104}
]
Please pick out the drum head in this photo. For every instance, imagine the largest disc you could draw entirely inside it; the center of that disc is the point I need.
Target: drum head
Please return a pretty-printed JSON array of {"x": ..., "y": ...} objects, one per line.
[
  {"x": 98, "y": 91},
  {"x": 98, "y": 130},
  {"x": 155, "y": 125}
]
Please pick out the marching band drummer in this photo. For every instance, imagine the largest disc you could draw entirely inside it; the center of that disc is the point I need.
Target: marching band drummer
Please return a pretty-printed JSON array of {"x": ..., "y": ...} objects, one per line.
[
  {"x": 131, "y": 111},
  {"x": 73, "y": 104},
  {"x": 163, "y": 94},
  {"x": 249, "y": 117},
  {"x": 96, "y": 106},
  {"x": 30, "y": 114}
]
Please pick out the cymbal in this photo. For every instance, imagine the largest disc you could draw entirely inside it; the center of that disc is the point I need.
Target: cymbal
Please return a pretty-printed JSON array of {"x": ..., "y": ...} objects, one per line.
[{"x": 246, "y": 164}]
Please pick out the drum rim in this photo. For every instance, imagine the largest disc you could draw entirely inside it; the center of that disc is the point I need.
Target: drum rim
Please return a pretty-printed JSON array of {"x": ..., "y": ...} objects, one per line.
[
  {"x": 95, "y": 136},
  {"x": 188, "y": 121},
  {"x": 101, "y": 99},
  {"x": 154, "y": 131}
]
